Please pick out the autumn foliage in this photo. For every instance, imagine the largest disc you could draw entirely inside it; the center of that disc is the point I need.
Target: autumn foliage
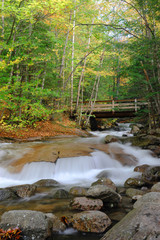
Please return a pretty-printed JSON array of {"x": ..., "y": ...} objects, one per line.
[{"x": 12, "y": 234}]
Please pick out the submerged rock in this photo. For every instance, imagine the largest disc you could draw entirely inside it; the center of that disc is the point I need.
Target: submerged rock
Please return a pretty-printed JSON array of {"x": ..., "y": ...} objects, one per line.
[
  {"x": 34, "y": 224},
  {"x": 141, "y": 223},
  {"x": 60, "y": 193},
  {"x": 110, "y": 138},
  {"x": 83, "y": 203},
  {"x": 91, "y": 221}
]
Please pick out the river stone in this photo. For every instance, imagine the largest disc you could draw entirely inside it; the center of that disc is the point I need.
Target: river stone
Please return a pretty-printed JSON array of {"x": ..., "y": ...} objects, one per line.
[
  {"x": 91, "y": 221},
  {"x": 151, "y": 175},
  {"x": 7, "y": 194},
  {"x": 141, "y": 223},
  {"x": 131, "y": 192},
  {"x": 105, "y": 181},
  {"x": 46, "y": 183},
  {"x": 110, "y": 138},
  {"x": 60, "y": 193},
  {"x": 135, "y": 129},
  {"x": 83, "y": 203},
  {"x": 25, "y": 190},
  {"x": 141, "y": 168},
  {"x": 57, "y": 224},
  {"x": 106, "y": 194},
  {"x": 134, "y": 182},
  {"x": 156, "y": 187},
  {"x": 152, "y": 197},
  {"x": 34, "y": 224},
  {"x": 78, "y": 191}
]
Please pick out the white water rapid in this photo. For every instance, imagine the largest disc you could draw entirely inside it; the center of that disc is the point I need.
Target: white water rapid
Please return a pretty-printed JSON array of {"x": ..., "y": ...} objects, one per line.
[{"x": 77, "y": 171}]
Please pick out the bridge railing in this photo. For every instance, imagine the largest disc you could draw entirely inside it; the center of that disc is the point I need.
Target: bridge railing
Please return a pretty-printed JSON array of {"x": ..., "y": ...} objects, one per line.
[{"x": 113, "y": 105}]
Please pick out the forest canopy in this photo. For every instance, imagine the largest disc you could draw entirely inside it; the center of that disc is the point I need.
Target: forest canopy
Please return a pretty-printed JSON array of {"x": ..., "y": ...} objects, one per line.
[{"x": 56, "y": 54}]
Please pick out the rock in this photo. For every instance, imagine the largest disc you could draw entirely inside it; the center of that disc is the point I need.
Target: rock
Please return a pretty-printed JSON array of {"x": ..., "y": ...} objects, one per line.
[
  {"x": 83, "y": 203},
  {"x": 106, "y": 194},
  {"x": 60, "y": 193},
  {"x": 131, "y": 192},
  {"x": 141, "y": 168},
  {"x": 134, "y": 182},
  {"x": 46, "y": 183},
  {"x": 105, "y": 181},
  {"x": 103, "y": 174},
  {"x": 57, "y": 224},
  {"x": 152, "y": 197},
  {"x": 34, "y": 224},
  {"x": 25, "y": 190},
  {"x": 140, "y": 224},
  {"x": 135, "y": 129},
  {"x": 6, "y": 194},
  {"x": 151, "y": 175},
  {"x": 156, "y": 187},
  {"x": 78, "y": 191},
  {"x": 110, "y": 138},
  {"x": 91, "y": 221}
]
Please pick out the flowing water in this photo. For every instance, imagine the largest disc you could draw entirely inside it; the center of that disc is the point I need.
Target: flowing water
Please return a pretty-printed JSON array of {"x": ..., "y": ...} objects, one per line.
[{"x": 73, "y": 171}]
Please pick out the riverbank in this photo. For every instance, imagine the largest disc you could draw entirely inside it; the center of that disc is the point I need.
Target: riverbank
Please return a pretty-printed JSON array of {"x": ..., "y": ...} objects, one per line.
[{"x": 41, "y": 130}]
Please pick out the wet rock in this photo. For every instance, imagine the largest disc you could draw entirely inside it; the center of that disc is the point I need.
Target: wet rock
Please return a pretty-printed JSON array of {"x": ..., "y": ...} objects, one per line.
[
  {"x": 141, "y": 168},
  {"x": 91, "y": 221},
  {"x": 6, "y": 194},
  {"x": 105, "y": 181},
  {"x": 57, "y": 224},
  {"x": 103, "y": 174},
  {"x": 131, "y": 192},
  {"x": 151, "y": 175},
  {"x": 110, "y": 138},
  {"x": 83, "y": 203},
  {"x": 25, "y": 190},
  {"x": 60, "y": 193},
  {"x": 78, "y": 191},
  {"x": 139, "y": 224},
  {"x": 34, "y": 224},
  {"x": 156, "y": 187},
  {"x": 135, "y": 128},
  {"x": 152, "y": 197},
  {"x": 134, "y": 182},
  {"x": 106, "y": 194},
  {"x": 46, "y": 183}
]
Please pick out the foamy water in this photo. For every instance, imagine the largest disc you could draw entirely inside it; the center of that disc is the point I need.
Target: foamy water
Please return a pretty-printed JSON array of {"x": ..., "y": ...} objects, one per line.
[{"x": 80, "y": 171}]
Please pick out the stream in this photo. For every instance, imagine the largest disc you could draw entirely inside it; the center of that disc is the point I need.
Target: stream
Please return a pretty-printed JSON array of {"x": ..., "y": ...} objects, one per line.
[{"x": 80, "y": 170}]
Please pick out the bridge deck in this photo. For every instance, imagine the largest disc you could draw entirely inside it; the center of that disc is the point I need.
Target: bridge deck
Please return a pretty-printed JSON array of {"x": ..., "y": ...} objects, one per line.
[{"x": 112, "y": 108}]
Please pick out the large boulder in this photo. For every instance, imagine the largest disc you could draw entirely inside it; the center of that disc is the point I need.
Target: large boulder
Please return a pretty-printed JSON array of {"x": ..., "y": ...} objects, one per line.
[
  {"x": 152, "y": 197},
  {"x": 83, "y": 203},
  {"x": 34, "y": 224},
  {"x": 156, "y": 187},
  {"x": 139, "y": 224},
  {"x": 25, "y": 190},
  {"x": 106, "y": 194},
  {"x": 7, "y": 194},
  {"x": 91, "y": 221}
]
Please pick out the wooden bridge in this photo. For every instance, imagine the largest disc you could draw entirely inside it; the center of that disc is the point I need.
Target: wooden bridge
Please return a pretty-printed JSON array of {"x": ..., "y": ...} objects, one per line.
[{"x": 112, "y": 108}]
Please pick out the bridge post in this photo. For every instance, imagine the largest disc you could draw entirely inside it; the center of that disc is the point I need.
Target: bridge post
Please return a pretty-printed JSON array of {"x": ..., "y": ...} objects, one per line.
[
  {"x": 112, "y": 105},
  {"x": 135, "y": 100}
]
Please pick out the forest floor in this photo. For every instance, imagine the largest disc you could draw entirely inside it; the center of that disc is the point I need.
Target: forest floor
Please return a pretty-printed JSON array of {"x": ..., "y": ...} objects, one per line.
[{"x": 42, "y": 130}]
